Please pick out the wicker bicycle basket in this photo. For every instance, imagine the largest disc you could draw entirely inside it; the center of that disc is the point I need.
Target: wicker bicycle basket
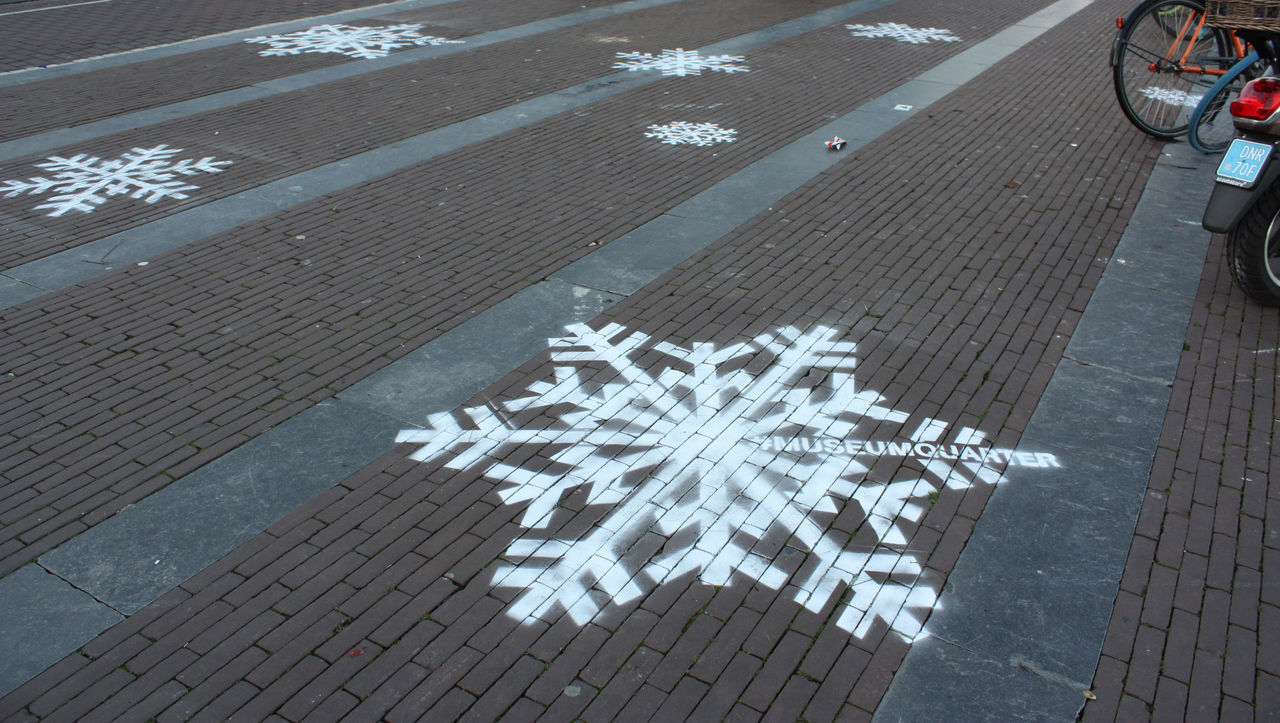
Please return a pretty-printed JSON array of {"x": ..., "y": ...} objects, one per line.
[{"x": 1261, "y": 15}]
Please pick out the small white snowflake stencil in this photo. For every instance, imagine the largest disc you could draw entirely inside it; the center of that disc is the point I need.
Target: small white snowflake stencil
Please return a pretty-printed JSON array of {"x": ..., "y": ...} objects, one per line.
[
  {"x": 680, "y": 62},
  {"x": 693, "y": 134},
  {"x": 718, "y": 461},
  {"x": 903, "y": 33},
  {"x": 350, "y": 40},
  {"x": 1171, "y": 96},
  {"x": 83, "y": 182}
]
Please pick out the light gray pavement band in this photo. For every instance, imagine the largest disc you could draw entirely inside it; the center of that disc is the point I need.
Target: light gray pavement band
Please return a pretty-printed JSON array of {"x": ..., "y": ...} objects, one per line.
[
  {"x": 67, "y": 268},
  {"x": 1018, "y": 630},
  {"x": 41, "y": 142},
  {"x": 1102, "y": 411},
  {"x": 182, "y": 47}
]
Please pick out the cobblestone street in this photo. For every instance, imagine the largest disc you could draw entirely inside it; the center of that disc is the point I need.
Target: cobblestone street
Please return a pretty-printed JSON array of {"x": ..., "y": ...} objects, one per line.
[{"x": 478, "y": 359}]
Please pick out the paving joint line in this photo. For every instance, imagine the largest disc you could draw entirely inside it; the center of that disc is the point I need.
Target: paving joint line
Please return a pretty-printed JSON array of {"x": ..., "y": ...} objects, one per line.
[
  {"x": 1118, "y": 370},
  {"x": 1031, "y": 667},
  {"x": 78, "y": 589},
  {"x": 1018, "y": 661}
]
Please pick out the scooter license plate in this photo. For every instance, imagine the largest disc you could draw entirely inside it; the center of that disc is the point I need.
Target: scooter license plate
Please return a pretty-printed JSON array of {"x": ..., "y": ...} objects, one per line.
[{"x": 1243, "y": 163}]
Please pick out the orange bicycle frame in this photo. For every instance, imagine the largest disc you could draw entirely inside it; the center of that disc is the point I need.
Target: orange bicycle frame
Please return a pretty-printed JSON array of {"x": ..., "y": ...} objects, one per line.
[{"x": 1236, "y": 45}]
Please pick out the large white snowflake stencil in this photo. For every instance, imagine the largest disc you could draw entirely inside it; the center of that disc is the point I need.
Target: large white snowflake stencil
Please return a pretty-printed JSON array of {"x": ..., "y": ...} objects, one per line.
[
  {"x": 1171, "y": 96},
  {"x": 716, "y": 461},
  {"x": 680, "y": 62},
  {"x": 83, "y": 182},
  {"x": 903, "y": 33},
  {"x": 350, "y": 40},
  {"x": 695, "y": 134}
]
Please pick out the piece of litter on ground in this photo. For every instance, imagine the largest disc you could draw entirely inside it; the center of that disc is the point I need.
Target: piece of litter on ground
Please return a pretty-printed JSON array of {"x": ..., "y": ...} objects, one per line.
[
  {"x": 836, "y": 143},
  {"x": 902, "y": 106}
]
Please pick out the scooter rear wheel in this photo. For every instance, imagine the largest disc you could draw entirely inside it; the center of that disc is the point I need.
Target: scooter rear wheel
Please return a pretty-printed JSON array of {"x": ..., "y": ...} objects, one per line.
[{"x": 1253, "y": 250}]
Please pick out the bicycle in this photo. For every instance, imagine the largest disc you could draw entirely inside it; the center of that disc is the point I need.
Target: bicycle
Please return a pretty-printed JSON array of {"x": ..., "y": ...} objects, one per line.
[
  {"x": 1164, "y": 58},
  {"x": 1211, "y": 128}
]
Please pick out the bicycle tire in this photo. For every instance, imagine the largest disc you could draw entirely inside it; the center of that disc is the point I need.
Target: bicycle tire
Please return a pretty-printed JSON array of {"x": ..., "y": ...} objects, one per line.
[
  {"x": 1155, "y": 92},
  {"x": 1210, "y": 128}
]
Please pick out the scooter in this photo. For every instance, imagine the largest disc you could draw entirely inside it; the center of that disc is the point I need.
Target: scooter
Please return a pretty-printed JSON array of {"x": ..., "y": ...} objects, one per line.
[{"x": 1245, "y": 203}]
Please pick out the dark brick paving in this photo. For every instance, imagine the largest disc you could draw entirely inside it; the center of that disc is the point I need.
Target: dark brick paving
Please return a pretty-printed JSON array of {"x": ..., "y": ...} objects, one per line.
[
  {"x": 82, "y": 98},
  {"x": 281, "y": 135},
  {"x": 960, "y": 268},
  {"x": 1196, "y": 627},
  {"x": 227, "y": 338},
  {"x": 64, "y": 34}
]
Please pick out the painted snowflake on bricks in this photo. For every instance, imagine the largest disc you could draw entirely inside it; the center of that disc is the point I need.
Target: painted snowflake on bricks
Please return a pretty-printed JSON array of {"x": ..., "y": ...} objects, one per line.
[
  {"x": 695, "y": 134},
  {"x": 704, "y": 460},
  {"x": 680, "y": 62},
  {"x": 1171, "y": 96},
  {"x": 83, "y": 182},
  {"x": 903, "y": 33},
  {"x": 351, "y": 40}
]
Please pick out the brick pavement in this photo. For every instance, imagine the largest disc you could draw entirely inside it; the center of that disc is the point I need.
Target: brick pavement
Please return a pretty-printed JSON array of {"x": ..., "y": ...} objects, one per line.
[
  {"x": 47, "y": 32},
  {"x": 409, "y": 100},
  {"x": 171, "y": 405},
  {"x": 376, "y": 598},
  {"x": 75, "y": 99},
  {"x": 1193, "y": 634}
]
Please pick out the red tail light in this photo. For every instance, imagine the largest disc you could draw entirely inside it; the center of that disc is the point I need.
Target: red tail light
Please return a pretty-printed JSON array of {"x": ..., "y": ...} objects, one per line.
[{"x": 1258, "y": 99}]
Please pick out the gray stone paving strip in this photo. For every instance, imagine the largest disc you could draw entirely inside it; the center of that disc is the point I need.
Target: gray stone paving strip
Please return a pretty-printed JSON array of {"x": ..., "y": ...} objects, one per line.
[
  {"x": 149, "y": 548},
  {"x": 155, "y": 545},
  {"x": 182, "y": 47},
  {"x": 34, "y": 601},
  {"x": 136, "y": 556},
  {"x": 1019, "y": 629},
  {"x": 632, "y": 261},
  {"x": 450, "y": 370},
  {"x": 42, "y": 142},
  {"x": 82, "y": 263}
]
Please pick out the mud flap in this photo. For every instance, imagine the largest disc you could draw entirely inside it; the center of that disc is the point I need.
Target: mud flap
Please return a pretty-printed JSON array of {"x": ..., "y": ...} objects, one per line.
[{"x": 1228, "y": 204}]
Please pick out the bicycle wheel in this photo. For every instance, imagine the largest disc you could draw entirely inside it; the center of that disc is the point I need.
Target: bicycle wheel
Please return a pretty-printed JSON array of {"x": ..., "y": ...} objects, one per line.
[
  {"x": 1210, "y": 128},
  {"x": 1163, "y": 61}
]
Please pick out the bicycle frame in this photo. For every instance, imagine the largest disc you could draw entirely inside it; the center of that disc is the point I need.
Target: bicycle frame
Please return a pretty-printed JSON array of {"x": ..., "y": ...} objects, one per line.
[
  {"x": 1171, "y": 61},
  {"x": 1236, "y": 45},
  {"x": 1164, "y": 55}
]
